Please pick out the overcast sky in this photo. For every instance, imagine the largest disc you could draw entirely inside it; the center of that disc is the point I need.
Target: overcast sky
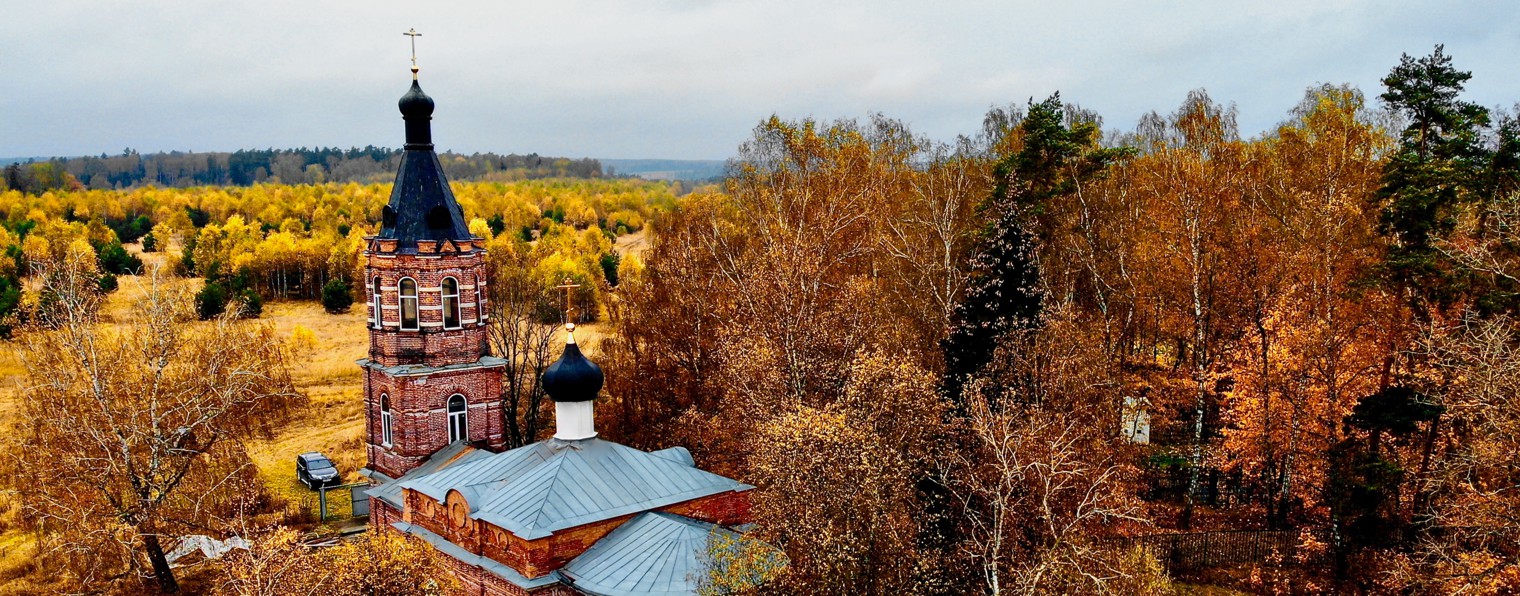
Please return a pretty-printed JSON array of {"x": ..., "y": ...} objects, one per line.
[{"x": 680, "y": 79}]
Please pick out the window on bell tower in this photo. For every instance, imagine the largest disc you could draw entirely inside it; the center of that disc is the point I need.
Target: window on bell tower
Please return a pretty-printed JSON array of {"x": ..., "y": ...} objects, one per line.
[
  {"x": 375, "y": 298},
  {"x": 450, "y": 303},
  {"x": 385, "y": 420},
  {"x": 459, "y": 427},
  {"x": 408, "y": 304},
  {"x": 480, "y": 300}
]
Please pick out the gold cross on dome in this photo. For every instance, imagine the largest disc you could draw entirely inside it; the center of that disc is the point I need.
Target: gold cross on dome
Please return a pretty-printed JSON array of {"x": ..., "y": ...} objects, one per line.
[
  {"x": 412, "y": 33},
  {"x": 567, "y": 286}
]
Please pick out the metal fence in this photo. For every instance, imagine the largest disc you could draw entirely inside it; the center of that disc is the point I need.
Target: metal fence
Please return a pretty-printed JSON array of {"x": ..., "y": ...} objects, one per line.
[
  {"x": 345, "y": 501},
  {"x": 1199, "y": 550}
]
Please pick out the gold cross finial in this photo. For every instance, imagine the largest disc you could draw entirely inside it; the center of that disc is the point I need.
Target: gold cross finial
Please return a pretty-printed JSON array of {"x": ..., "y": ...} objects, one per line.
[
  {"x": 567, "y": 286},
  {"x": 412, "y": 33}
]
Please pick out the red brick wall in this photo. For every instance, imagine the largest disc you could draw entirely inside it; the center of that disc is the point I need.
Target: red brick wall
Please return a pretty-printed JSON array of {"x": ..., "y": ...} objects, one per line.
[
  {"x": 725, "y": 509},
  {"x": 534, "y": 558},
  {"x": 431, "y": 344},
  {"x": 381, "y": 514},
  {"x": 419, "y": 414},
  {"x": 474, "y": 581}
]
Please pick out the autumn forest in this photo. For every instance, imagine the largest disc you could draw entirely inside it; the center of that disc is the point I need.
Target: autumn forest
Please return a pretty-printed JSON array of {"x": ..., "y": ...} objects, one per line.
[{"x": 1050, "y": 356}]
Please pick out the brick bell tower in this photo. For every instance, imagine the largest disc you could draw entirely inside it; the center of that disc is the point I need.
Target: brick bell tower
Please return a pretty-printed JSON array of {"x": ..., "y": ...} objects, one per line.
[{"x": 429, "y": 380}]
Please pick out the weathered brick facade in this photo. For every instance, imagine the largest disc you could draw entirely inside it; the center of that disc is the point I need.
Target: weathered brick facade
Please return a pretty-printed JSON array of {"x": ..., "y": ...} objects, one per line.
[
  {"x": 415, "y": 372},
  {"x": 431, "y": 344},
  {"x": 381, "y": 514},
  {"x": 419, "y": 413},
  {"x": 534, "y": 558},
  {"x": 474, "y": 582}
]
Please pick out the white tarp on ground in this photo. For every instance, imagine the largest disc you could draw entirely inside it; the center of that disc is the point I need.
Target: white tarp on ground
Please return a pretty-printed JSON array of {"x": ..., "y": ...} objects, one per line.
[{"x": 209, "y": 547}]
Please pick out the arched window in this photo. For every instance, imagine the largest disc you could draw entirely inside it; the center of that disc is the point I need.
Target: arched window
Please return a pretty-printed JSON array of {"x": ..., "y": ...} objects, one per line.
[
  {"x": 480, "y": 300},
  {"x": 450, "y": 303},
  {"x": 459, "y": 424},
  {"x": 385, "y": 420},
  {"x": 408, "y": 304},
  {"x": 375, "y": 298}
]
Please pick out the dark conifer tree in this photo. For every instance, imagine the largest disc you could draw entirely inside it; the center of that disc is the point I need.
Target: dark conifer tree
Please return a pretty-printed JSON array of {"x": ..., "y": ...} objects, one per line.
[
  {"x": 1004, "y": 293},
  {"x": 1438, "y": 167}
]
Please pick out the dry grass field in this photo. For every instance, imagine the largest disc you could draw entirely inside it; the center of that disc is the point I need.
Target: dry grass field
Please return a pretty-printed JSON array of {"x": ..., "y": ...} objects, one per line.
[
  {"x": 322, "y": 364},
  {"x": 635, "y": 244},
  {"x": 17, "y": 548}
]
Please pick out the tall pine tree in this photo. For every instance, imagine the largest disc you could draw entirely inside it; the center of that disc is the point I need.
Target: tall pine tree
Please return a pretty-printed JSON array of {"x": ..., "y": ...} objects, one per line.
[
  {"x": 1004, "y": 292},
  {"x": 1439, "y": 166}
]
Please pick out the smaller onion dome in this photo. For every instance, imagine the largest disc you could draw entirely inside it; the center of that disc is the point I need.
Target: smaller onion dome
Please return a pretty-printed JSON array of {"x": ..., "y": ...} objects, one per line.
[
  {"x": 416, "y": 104},
  {"x": 572, "y": 378}
]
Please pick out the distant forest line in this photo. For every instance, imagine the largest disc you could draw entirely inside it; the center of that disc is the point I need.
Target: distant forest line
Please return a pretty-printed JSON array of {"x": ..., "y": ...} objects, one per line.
[{"x": 181, "y": 169}]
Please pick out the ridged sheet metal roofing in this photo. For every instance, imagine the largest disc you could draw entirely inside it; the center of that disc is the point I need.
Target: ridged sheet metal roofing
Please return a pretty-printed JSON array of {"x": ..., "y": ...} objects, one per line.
[
  {"x": 657, "y": 554},
  {"x": 536, "y": 490}
]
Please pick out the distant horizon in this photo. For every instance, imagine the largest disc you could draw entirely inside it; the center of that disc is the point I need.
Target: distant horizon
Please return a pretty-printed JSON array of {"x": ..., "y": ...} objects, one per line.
[{"x": 352, "y": 165}]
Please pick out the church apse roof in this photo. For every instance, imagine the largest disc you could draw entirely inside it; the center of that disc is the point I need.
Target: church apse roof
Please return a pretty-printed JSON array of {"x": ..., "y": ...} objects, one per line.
[{"x": 653, "y": 554}]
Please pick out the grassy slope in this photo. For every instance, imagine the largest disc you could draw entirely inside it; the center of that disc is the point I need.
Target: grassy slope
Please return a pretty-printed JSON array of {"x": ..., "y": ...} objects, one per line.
[
  {"x": 333, "y": 421},
  {"x": 324, "y": 371},
  {"x": 635, "y": 244}
]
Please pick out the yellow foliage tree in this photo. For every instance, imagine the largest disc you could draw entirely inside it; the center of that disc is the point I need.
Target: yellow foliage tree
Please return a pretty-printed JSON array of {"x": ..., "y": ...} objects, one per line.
[{"x": 380, "y": 562}]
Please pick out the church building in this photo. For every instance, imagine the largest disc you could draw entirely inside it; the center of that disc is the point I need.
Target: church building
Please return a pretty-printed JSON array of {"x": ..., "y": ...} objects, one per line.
[{"x": 573, "y": 514}]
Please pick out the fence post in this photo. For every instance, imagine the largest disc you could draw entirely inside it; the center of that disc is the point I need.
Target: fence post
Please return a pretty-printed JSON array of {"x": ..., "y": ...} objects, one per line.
[{"x": 322, "y": 503}]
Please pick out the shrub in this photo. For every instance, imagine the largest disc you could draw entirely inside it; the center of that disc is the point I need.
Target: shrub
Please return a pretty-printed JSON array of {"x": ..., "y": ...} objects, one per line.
[
  {"x": 211, "y": 301},
  {"x": 115, "y": 259},
  {"x": 303, "y": 341},
  {"x": 609, "y": 264},
  {"x": 186, "y": 261},
  {"x": 252, "y": 304},
  {"x": 10, "y": 299},
  {"x": 337, "y": 296}
]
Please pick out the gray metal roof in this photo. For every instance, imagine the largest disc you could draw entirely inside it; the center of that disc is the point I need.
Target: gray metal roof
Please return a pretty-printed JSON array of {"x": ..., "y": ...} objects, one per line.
[
  {"x": 536, "y": 490},
  {"x": 420, "y": 370},
  {"x": 676, "y": 454},
  {"x": 654, "y": 553},
  {"x": 458, "y": 452}
]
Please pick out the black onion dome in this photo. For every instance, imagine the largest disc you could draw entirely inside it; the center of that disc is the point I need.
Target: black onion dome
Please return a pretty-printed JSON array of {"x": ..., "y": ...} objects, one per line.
[
  {"x": 573, "y": 377},
  {"x": 417, "y": 111},
  {"x": 416, "y": 104}
]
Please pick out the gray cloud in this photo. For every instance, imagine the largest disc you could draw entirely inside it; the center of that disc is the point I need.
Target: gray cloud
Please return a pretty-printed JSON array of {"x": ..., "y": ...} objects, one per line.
[{"x": 680, "y": 79}]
